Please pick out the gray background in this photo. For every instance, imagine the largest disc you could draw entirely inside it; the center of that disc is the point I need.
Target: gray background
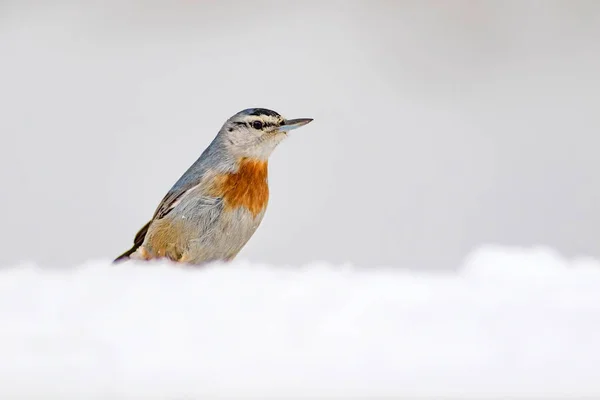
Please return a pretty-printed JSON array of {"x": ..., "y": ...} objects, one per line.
[{"x": 439, "y": 126}]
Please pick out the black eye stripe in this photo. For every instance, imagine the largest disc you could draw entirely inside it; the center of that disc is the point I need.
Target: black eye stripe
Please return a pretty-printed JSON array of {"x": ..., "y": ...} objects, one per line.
[{"x": 251, "y": 124}]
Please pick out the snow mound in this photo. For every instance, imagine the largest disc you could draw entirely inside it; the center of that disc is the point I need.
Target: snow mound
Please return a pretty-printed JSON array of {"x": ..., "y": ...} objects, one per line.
[{"x": 510, "y": 322}]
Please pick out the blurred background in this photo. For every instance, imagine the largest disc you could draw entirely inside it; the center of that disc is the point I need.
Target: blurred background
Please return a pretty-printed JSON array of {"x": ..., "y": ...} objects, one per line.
[{"x": 438, "y": 126}]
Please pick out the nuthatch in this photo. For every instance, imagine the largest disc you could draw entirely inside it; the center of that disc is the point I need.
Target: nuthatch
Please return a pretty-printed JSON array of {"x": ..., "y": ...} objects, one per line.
[{"x": 218, "y": 203}]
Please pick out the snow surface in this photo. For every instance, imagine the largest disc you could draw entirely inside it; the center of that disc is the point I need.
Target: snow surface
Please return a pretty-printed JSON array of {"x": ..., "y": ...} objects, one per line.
[{"x": 511, "y": 322}]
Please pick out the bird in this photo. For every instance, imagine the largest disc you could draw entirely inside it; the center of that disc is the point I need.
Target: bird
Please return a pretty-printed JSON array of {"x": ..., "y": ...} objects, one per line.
[{"x": 215, "y": 207}]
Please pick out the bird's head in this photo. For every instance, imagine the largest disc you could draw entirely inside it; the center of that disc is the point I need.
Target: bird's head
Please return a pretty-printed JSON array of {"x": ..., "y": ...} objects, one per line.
[{"x": 255, "y": 132}]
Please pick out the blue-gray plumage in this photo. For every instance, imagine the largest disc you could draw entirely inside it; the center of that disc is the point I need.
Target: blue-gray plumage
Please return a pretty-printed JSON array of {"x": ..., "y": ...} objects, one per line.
[{"x": 211, "y": 212}]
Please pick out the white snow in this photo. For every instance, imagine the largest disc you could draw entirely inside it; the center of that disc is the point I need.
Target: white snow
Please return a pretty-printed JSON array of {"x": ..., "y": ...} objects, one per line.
[{"x": 511, "y": 322}]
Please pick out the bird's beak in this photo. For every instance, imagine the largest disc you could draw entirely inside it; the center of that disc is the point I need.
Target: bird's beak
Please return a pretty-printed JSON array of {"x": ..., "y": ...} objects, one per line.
[{"x": 294, "y": 123}]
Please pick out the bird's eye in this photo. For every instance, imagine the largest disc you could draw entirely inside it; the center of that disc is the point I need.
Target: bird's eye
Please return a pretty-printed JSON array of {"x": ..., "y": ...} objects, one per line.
[{"x": 257, "y": 125}]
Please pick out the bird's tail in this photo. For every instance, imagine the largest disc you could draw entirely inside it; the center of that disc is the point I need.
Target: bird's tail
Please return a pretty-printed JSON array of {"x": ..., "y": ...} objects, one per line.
[
  {"x": 125, "y": 256},
  {"x": 137, "y": 242}
]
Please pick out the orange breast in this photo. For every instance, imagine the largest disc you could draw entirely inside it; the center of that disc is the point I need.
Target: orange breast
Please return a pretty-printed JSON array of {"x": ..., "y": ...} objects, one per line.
[{"x": 246, "y": 188}]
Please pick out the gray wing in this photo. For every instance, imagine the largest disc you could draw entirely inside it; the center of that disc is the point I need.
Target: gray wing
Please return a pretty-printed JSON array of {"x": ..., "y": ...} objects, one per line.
[
  {"x": 191, "y": 178},
  {"x": 171, "y": 199}
]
